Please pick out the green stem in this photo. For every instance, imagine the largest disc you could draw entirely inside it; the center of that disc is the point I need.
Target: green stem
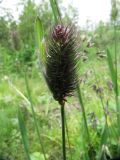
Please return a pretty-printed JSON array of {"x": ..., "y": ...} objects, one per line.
[
  {"x": 67, "y": 133},
  {"x": 58, "y": 12},
  {"x": 23, "y": 132},
  {"x": 34, "y": 117},
  {"x": 116, "y": 72},
  {"x": 116, "y": 84},
  {"x": 83, "y": 113},
  {"x": 63, "y": 131},
  {"x": 115, "y": 42}
]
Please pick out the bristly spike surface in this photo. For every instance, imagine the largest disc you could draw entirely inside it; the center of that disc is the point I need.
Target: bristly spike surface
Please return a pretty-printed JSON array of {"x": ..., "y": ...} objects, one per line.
[{"x": 61, "y": 63}]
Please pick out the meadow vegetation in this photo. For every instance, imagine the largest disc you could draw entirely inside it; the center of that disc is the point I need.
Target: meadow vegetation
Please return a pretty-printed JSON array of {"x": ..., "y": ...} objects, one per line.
[{"x": 23, "y": 87}]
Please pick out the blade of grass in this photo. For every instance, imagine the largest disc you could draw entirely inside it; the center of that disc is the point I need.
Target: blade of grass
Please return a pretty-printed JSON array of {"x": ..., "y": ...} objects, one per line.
[
  {"x": 104, "y": 138},
  {"x": 111, "y": 69},
  {"x": 87, "y": 136},
  {"x": 116, "y": 70},
  {"x": 114, "y": 80},
  {"x": 34, "y": 116},
  {"x": 39, "y": 30},
  {"x": 23, "y": 133},
  {"x": 114, "y": 76},
  {"x": 39, "y": 35},
  {"x": 56, "y": 11},
  {"x": 117, "y": 91},
  {"x": 19, "y": 92},
  {"x": 83, "y": 113}
]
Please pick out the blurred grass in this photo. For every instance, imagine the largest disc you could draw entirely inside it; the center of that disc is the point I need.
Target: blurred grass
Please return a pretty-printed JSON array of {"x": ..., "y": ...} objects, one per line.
[
  {"x": 49, "y": 116},
  {"x": 96, "y": 84},
  {"x": 47, "y": 110}
]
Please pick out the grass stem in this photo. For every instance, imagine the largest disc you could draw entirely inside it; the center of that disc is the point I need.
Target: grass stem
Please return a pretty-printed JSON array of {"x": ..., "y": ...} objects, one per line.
[
  {"x": 24, "y": 135},
  {"x": 83, "y": 113},
  {"x": 34, "y": 116},
  {"x": 116, "y": 75},
  {"x": 116, "y": 83},
  {"x": 67, "y": 134},
  {"x": 63, "y": 131}
]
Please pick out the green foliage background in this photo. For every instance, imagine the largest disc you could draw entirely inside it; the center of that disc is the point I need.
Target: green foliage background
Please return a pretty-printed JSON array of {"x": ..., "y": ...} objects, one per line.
[{"x": 18, "y": 53}]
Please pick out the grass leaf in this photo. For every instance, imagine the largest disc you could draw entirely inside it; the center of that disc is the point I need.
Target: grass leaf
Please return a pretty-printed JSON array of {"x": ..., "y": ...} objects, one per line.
[
  {"x": 111, "y": 68},
  {"x": 34, "y": 116},
  {"x": 39, "y": 31},
  {"x": 56, "y": 11},
  {"x": 85, "y": 125},
  {"x": 23, "y": 133}
]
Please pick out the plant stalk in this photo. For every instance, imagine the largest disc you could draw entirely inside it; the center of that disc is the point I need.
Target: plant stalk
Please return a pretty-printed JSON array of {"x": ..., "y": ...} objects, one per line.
[
  {"x": 116, "y": 83},
  {"x": 34, "y": 117},
  {"x": 83, "y": 113},
  {"x": 63, "y": 131},
  {"x": 67, "y": 134},
  {"x": 116, "y": 72}
]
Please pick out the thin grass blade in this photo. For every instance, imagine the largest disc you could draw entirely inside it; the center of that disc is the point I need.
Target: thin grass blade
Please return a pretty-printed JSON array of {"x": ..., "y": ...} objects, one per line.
[
  {"x": 39, "y": 34},
  {"x": 87, "y": 135},
  {"x": 111, "y": 68},
  {"x": 34, "y": 117},
  {"x": 23, "y": 134},
  {"x": 56, "y": 11},
  {"x": 113, "y": 73}
]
